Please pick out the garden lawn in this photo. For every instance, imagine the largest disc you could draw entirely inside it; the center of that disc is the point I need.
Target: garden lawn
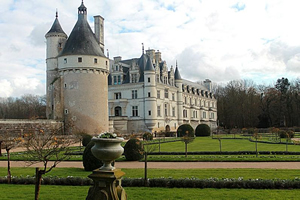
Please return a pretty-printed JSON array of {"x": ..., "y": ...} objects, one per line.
[
  {"x": 26, "y": 192},
  {"x": 209, "y": 144},
  {"x": 174, "y": 173}
]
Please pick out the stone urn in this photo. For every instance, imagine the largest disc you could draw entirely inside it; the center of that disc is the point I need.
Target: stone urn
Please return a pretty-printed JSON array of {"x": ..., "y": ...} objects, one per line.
[{"x": 107, "y": 150}]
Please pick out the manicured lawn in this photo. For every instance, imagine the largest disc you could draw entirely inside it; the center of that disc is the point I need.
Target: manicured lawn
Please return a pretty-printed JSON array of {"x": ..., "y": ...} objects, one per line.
[
  {"x": 209, "y": 144},
  {"x": 174, "y": 173},
  {"x": 26, "y": 192}
]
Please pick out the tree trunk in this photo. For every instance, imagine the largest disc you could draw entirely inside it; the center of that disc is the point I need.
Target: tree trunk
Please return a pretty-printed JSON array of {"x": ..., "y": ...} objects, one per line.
[
  {"x": 38, "y": 181},
  {"x": 286, "y": 145},
  {"x": 220, "y": 145},
  {"x": 185, "y": 149},
  {"x": 145, "y": 172},
  {"x": 256, "y": 148},
  {"x": 0, "y": 148},
  {"x": 8, "y": 167}
]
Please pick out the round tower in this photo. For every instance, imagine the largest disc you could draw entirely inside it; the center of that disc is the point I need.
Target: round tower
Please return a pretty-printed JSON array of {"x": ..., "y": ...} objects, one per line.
[
  {"x": 56, "y": 39},
  {"x": 150, "y": 95},
  {"x": 178, "y": 83},
  {"x": 84, "y": 69}
]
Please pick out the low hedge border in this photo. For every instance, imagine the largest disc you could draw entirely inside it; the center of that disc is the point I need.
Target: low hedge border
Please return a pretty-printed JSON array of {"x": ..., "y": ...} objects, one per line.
[
  {"x": 239, "y": 183},
  {"x": 227, "y": 153}
]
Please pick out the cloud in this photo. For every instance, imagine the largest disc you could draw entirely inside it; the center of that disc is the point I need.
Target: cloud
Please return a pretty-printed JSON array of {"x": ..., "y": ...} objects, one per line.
[{"x": 219, "y": 40}]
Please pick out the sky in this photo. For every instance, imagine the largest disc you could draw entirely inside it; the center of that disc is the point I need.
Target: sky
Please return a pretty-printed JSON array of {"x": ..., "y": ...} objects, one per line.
[{"x": 220, "y": 40}]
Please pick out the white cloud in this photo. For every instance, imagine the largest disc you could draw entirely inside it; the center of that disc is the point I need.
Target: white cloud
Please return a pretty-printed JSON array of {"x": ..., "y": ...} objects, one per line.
[{"x": 219, "y": 40}]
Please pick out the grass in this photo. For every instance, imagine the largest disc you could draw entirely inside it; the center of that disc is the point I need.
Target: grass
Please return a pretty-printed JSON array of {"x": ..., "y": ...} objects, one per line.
[
  {"x": 174, "y": 173},
  {"x": 26, "y": 192}
]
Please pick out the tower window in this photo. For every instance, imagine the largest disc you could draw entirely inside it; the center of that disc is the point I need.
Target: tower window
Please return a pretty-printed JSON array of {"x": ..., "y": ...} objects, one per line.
[
  {"x": 66, "y": 111},
  {"x": 95, "y": 60},
  {"x": 149, "y": 94},
  {"x": 65, "y": 60},
  {"x": 149, "y": 112},
  {"x": 79, "y": 59},
  {"x": 148, "y": 79},
  {"x": 134, "y": 94},
  {"x": 65, "y": 85}
]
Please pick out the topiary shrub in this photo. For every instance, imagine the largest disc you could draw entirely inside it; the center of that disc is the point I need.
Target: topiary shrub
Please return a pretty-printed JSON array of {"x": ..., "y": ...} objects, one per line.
[
  {"x": 185, "y": 129},
  {"x": 86, "y": 138},
  {"x": 147, "y": 136},
  {"x": 285, "y": 134},
  {"x": 90, "y": 162},
  {"x": 133, "y": 150},
  {"x": 202, "y": 130}
]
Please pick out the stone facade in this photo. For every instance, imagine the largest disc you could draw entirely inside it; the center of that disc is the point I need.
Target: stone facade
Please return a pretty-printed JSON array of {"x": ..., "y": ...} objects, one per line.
[
  {"x": 144, "y": 95},
  {"x": 77, "y": 71}
]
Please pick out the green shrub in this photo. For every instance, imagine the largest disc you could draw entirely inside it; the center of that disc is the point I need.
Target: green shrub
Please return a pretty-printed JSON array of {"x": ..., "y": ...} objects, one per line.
[
  {"x": 283, "y": 134},
  {"x": 133, "y": 150},
  {"x": 85, "y": 138},
  {"x": 90, "y": 162},
  {"x": 185, "y": 129},
  {"x": 147, "y": 136},
  {"x": 202, "y": 130}
]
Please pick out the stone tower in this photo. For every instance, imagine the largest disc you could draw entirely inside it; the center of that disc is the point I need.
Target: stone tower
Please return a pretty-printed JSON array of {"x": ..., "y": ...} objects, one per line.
[
  {"x": 81, "y": 77},
  {"x": 178, "y": 83}
]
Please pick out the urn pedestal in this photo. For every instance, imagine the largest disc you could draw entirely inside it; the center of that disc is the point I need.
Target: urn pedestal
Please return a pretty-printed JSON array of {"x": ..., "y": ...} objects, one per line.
[{"x": 107, "y": 179}]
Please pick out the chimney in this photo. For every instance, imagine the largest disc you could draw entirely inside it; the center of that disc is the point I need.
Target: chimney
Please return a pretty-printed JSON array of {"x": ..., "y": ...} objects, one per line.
[
  {"x": 99, "y": 30},
  {"x": 208, "y": 85}
]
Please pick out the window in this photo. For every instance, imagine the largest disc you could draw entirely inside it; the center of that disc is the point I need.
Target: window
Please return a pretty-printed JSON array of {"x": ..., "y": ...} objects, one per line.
[
  {"x": 117, "y": 68},
  {"x": 204, "y": 115},
  {"x": 184, "y": 113},
  {"x": 158, "y": 94},
  {"x": 115, "y": 80},
  {"x": 66, "y": 111},
  {"x": 149, "y": 94},
  {"x": 95, "y": 60},
  {"x": 79, "y": 59},
  {"x": 148, "y": 79},
  {"x": 212, "y": 115},
  {"x": 166, "y": 93},
  {"x": 185, "y": 100},
  {"x": 194, "y": 114},
  {"x": 65, "y": 85},
  {"x": 119, "y": 80},
  {"x": 173, "y": 97},
  {"x": 166, "y": 110},
  {"x": 118, "y": 111},
  {"x": 158, "y": 111},
  {"x": 134, "y": 111},
  {"x": 118, "y": 95},
  {"x": 149, "y": 112},
  {"x": 134, "y": 78},
  {"x": 134, "y": 94},
  {"x": 65, "y": 60},
  {"x": 173, "y": 111}
]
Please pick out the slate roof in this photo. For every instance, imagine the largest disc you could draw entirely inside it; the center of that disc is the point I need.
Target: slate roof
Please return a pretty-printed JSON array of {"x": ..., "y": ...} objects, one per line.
[
  {"x": 177, "y": 74},
  {"x": 82, "y": 40},
  {"x": 56, "y": 27}
]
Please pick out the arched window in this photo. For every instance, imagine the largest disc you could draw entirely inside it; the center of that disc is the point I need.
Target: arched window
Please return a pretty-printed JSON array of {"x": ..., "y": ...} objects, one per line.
[{"x": 118, "y": 111}]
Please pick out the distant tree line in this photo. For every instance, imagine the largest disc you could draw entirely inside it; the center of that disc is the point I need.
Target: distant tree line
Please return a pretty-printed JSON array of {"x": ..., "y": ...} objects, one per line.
[
  {"x": 24, "y": 107},
  {"x": 242, "y": 103}
]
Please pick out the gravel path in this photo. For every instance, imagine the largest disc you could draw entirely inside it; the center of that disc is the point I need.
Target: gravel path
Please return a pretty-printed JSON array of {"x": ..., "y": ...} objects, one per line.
[{"x": 176, "y": 165}]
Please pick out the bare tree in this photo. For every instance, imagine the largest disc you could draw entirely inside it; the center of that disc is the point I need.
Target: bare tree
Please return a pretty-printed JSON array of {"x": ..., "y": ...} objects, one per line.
[
  {"x": 45, "y": 145},
  {"x": 10, "y": 140}
]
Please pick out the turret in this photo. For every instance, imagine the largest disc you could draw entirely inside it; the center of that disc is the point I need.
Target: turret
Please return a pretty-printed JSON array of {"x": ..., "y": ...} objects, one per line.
[
  {"x": 56, "y": 39},
  {"x": 150, "y": 95},
  {"x": 178, "y": 84}
]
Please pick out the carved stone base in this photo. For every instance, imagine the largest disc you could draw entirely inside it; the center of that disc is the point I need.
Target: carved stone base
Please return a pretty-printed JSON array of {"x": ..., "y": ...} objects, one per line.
[{"x": 107, "y": 185}]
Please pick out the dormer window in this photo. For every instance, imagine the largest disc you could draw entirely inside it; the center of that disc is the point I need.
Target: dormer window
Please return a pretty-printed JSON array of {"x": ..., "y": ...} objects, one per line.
[
  {"x": 65, "y": 60},
  {"x": 79, "y": 59},
  {"x": 95, "y": 61}
]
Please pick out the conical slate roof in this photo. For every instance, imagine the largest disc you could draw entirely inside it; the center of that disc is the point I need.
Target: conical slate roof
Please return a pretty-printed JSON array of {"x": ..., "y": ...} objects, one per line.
[
  {"x": 177, "y": 74},
  {"x": 142, "y": 62},
  {"x": 149, "y": 65},
  {"x": 82, "y": 40},
  {"x": 56, "y": 27}
]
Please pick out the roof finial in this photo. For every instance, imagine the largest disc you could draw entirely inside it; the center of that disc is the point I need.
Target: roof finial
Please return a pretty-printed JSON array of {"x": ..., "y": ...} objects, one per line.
[
  {"x": 56, "y": 15},
  {"x": 142, "y": 48},
  {"x": 107, "y": 53},
  {"x": 176, "y": 63}
]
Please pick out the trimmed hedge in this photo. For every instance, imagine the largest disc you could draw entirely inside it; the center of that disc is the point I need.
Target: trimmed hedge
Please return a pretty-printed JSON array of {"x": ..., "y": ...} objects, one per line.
[
  {"x": 227, "y": 153},
  {"x": 90, "y": 162},
  {"x": 202, "y": 130},
  {"x": 171, "y": 183},
  {"x": 133, "y": 150},
  {"x": 185, "y": 129}
]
